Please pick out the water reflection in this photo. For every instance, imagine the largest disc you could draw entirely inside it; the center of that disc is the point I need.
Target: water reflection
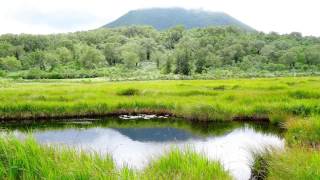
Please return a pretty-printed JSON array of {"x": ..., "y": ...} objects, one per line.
[{"x": 136, "y": 146}]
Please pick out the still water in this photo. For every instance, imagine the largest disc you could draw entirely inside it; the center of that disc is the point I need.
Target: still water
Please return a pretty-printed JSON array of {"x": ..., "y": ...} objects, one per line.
[{"x": 135, "y": 143}]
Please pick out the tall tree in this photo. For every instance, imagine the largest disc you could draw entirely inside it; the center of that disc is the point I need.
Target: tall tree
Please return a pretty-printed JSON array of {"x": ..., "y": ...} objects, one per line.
[{"x": 91, "y": 58}]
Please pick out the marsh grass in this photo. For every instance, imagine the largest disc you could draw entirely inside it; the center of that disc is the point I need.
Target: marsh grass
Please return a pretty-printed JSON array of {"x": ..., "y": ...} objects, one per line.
[
  {"x": 185, "y": 165},
  {"x": 292, "y": 103},
  {"x": 260, "y": 168},
  {"x": 193, "y": 99},
  {"x": 304, "y": 131},
  {"x": 218, "y": 88},
  {"x": 29, "y": 160},
  {"x": 300, "y": 94},
  {"x": 128, "y": 92},
  {"x": 296, "y": 163}
]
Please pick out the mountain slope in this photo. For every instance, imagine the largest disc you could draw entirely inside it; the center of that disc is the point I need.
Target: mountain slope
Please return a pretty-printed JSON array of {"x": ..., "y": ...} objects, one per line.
[{"x": 164, "y": 18}]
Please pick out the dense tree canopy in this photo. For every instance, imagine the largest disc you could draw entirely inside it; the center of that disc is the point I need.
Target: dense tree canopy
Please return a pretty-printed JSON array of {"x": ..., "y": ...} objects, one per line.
[{"x": 176, "y": 50}]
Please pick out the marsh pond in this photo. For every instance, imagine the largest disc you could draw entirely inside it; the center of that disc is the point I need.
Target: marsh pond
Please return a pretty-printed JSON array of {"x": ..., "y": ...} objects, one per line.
[{"x": 134, "y": 142}]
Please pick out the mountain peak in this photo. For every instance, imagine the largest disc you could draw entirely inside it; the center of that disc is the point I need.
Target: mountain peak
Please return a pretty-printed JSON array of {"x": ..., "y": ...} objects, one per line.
[{"x": 165, "y": 18}]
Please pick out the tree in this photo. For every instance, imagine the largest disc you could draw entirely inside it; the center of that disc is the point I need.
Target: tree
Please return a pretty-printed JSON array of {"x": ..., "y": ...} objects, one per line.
[
  {"x": 184, "y": 54},
  {"x": 173, "y": 36},
  {"x": 148, "y": 45},
  {"x": 213, "y": 60},
  {"x": 131, "y": 54},
  {"x": 230, "y": 55},
  {"x": 111, "y": 53},
  {"x": 18, "y": 51},
  {"x": 33, "y": 60},
  {"x": 201, "y": 60},
  {"x": 64, "y": 54},
  {"x": 256, "y": 46},
  {"x": 130, "y": 59},
  {"x": 312, "y": 55},
  {"x": 159, "y": 58},
  {"x": 168, "y": 67},
  {"x": 175, "y": 50},
  {"x": 289, "y": 58},
  {"x": 91, "y": 58},
  {"x": 10, "y": 63},
  {"x": 183, "y": 58},
  {"x": 6, "y": 49},
  {"x": 50, "y": 60},
  {"x": 270, "y": 52}
]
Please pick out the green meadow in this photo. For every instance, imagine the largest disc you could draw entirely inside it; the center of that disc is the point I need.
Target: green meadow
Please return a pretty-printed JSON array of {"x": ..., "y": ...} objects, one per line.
[{"x": 292, "y": 104}]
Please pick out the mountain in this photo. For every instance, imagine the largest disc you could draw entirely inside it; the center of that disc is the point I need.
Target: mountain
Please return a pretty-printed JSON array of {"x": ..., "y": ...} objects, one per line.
[{"x": 164, "y": 18}]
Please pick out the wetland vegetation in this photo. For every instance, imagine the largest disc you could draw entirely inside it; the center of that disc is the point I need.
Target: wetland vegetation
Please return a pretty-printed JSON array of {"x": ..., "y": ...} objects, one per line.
[{"x": 291, "y": 104}]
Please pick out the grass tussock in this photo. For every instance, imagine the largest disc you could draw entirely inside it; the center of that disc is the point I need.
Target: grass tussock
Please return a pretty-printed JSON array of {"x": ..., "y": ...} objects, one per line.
[
  {"x": 218, "y": 88},
  {"x": 295, "y": 164},
  {"x": 300, "y": 94},
  {"x": 185, "y": 165},
  {"x": 259, "y": 168},
  {"x": 304, "y": 131},
  {"x": 128, "y": 92}
]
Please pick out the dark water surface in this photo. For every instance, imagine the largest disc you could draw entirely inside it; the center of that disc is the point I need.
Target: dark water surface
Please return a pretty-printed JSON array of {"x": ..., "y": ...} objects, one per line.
[{"x": 135, "y": 143}]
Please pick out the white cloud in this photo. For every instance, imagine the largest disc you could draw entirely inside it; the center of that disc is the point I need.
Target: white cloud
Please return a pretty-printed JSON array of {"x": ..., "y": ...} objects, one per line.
[{"x": 55, "y": 16}]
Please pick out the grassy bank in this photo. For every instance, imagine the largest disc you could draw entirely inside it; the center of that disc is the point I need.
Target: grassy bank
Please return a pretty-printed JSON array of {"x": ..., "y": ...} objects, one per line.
[
  {"x": 275, "y": 98},
  {"x": 28, "y": 160}
]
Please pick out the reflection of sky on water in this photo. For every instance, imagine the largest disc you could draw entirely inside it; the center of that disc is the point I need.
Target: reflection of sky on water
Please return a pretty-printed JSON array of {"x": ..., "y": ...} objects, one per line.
[{"x": 135, "y": 147}]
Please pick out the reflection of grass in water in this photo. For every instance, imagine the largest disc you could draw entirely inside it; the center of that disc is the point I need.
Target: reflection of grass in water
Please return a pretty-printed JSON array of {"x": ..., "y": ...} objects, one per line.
[
  {"x": 200, "y": 129},
  {"x": 28, "y": 160}
]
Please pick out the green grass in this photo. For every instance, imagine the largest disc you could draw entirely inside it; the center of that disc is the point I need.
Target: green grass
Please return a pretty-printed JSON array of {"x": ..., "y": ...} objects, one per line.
[
  {"x": 185, "y": 165},
  {"x": 291, "y": 103},
  {"x": 194, "y": 99},
  {"x": 296, "y": 164},
  {"x": 29, "y": 160},
  {"x": 128, "y": 92},
  {"x": 304, "y": 131}
]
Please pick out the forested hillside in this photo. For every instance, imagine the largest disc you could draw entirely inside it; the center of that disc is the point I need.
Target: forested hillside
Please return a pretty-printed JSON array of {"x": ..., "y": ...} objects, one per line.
[
  {"x": 138, "y": 50},
  {"x": 165, "y": 18}
]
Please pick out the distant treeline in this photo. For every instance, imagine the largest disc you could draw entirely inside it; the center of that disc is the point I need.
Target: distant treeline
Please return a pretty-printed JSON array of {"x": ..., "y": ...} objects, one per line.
[{"x": 176, "y": 51}]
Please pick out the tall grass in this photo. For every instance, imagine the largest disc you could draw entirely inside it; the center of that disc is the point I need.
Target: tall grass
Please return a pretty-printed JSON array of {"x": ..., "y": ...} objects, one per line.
[
  {"x": 185, "y": 165},
  {"x": 29, "y": 160},
  {"x": 296, "y": 164},
  {"x": 304, "y": 131},
  {"x": 193, "y": 99}
]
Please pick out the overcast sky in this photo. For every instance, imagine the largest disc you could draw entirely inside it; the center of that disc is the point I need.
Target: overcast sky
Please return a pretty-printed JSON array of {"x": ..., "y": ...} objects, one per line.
[{"x": 55, "y": 16}]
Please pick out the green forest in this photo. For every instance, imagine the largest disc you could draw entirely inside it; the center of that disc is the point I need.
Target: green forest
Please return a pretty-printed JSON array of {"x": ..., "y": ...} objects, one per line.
[{"x": 142, "y": 51}]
